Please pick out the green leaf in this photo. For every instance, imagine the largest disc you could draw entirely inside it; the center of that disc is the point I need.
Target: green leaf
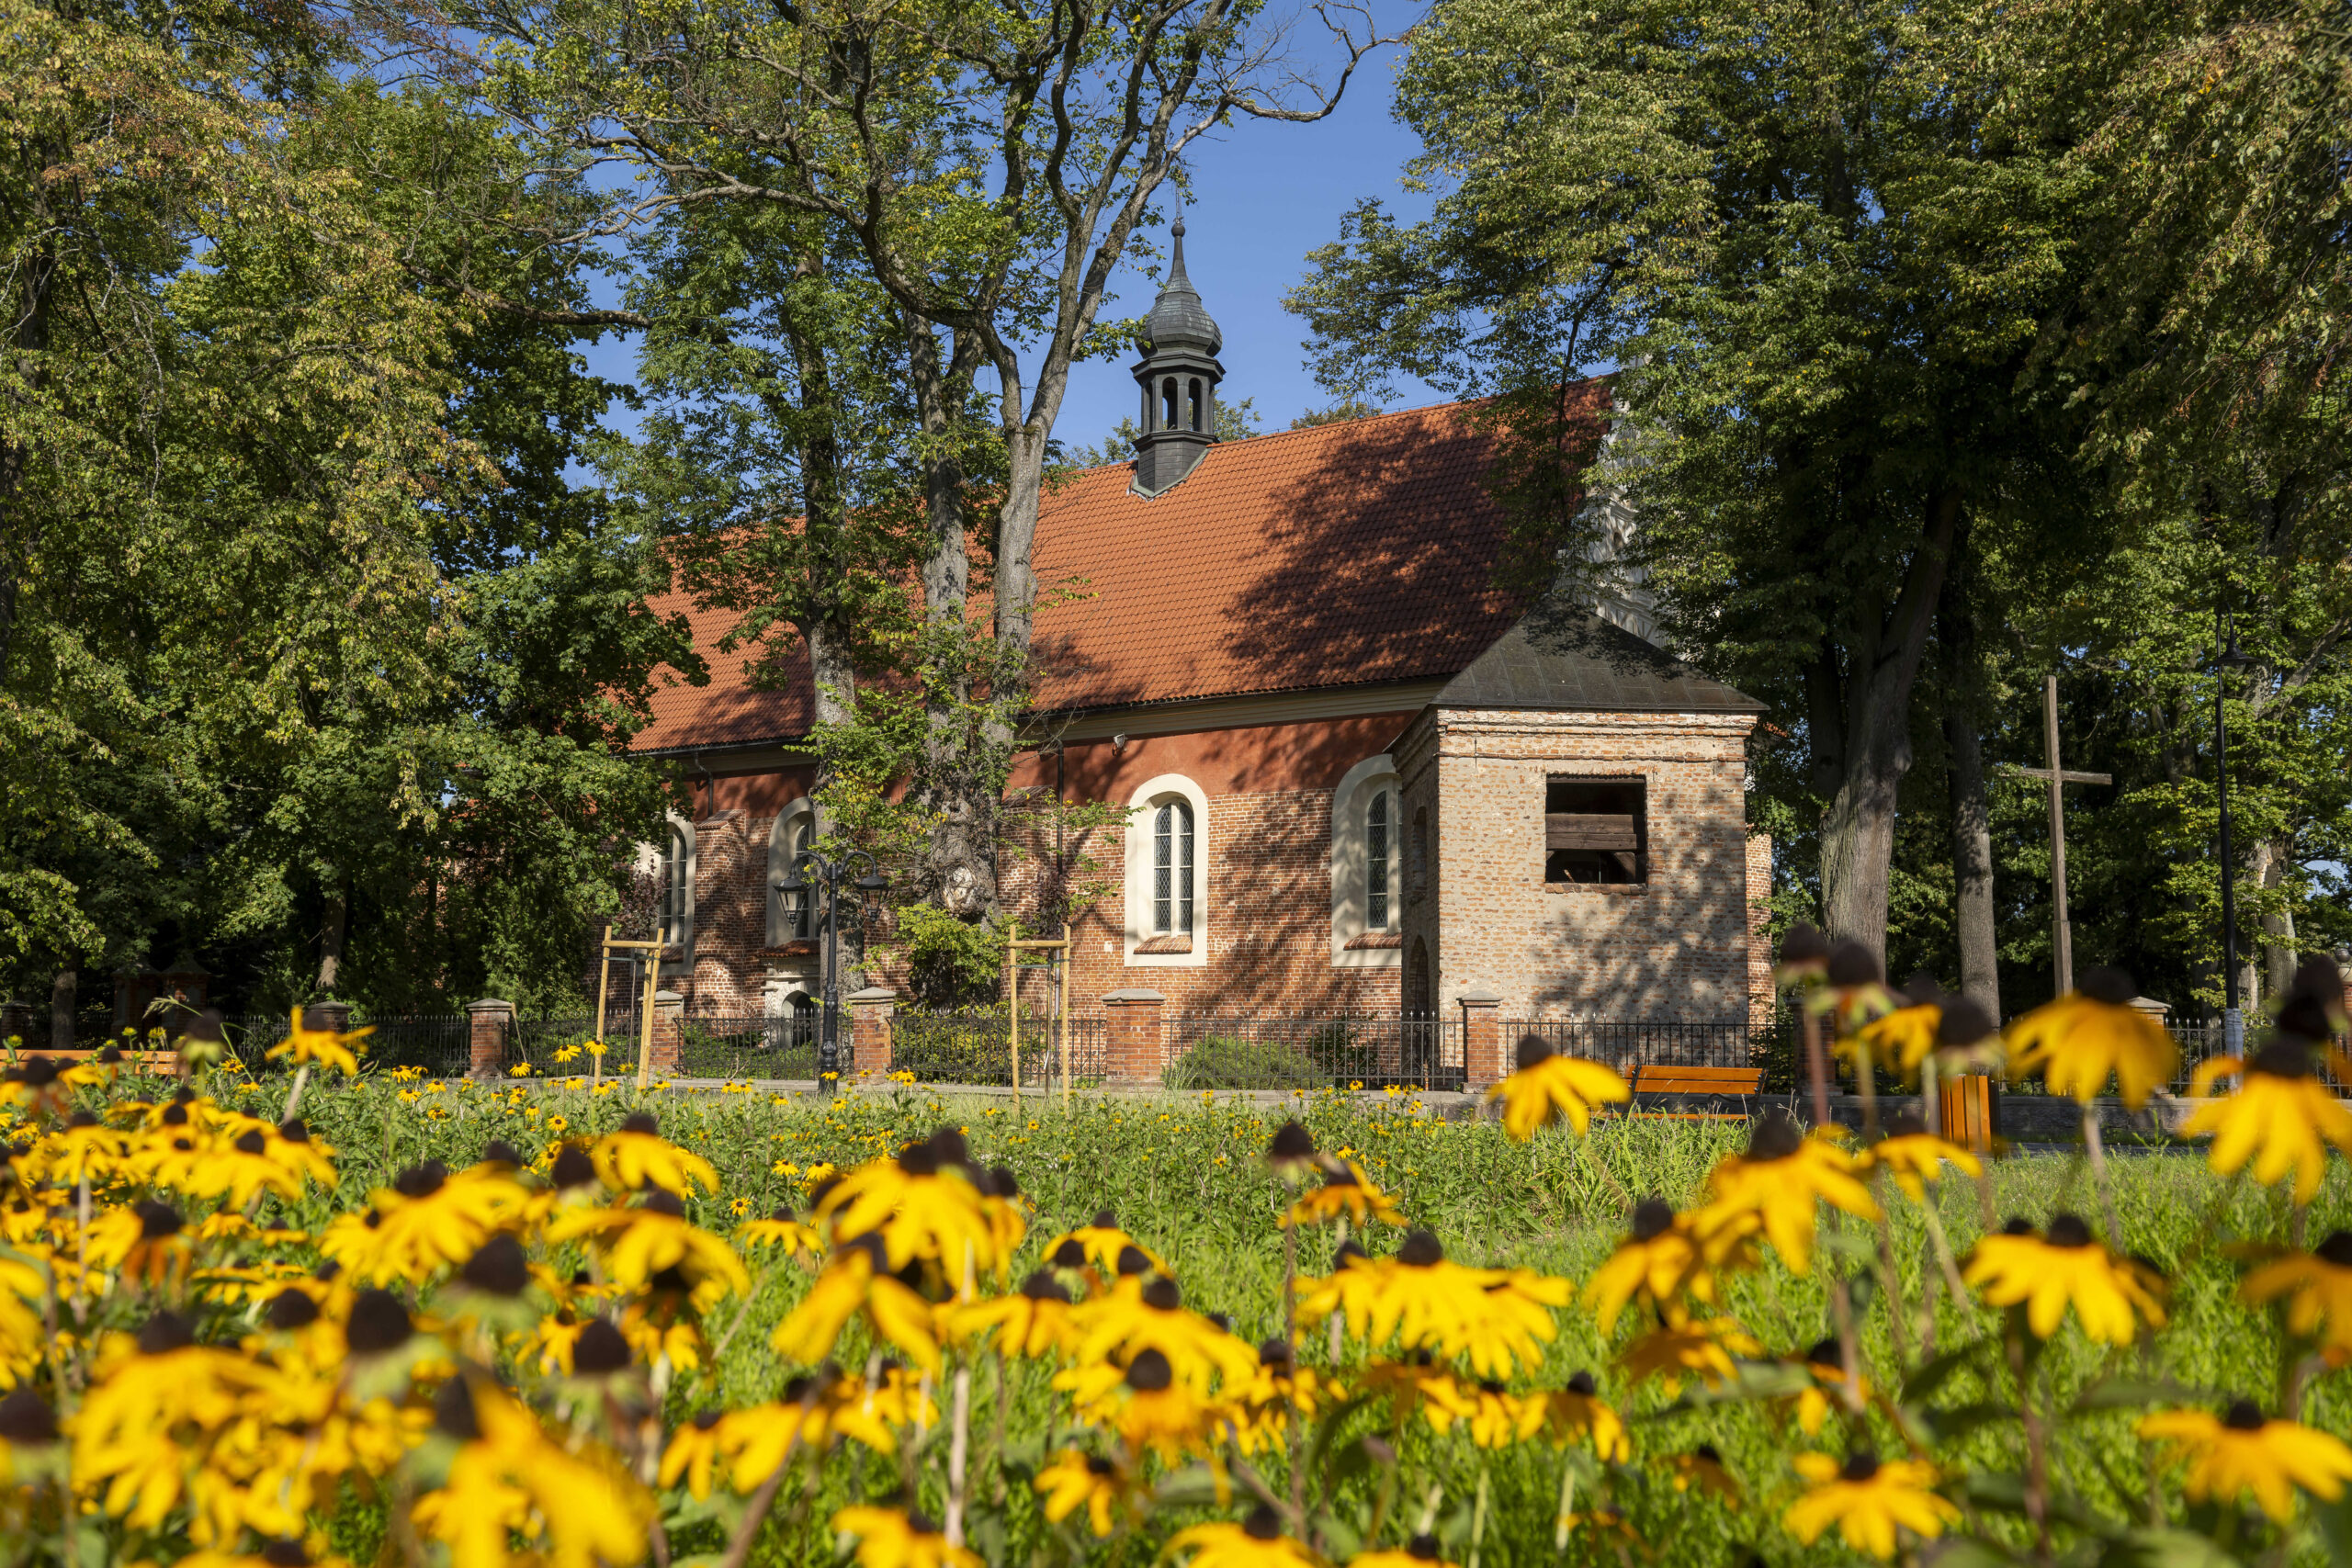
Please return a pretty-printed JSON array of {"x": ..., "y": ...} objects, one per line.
[
  {"x": 2165, "y": 1548},
  {"x": 1924, "y": 1383},
  {"x": 1958, "y": 1420},
  {"x": 2335, "y": 1522},
  {"x": 2125, "y": 1394}
]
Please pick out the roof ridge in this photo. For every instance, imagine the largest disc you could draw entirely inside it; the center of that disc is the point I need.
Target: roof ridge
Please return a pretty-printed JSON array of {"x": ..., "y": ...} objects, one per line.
[{"x": 1308, "y": 430}]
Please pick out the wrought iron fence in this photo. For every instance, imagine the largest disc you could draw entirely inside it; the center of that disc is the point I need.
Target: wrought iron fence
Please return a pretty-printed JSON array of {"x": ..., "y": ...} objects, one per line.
[
  {"x": 439, "y": 1043},
  {"x": 1313, "y": 1052},
  {"x": 753, "y": 1045},
  {"x": 975, "y": 1046}
]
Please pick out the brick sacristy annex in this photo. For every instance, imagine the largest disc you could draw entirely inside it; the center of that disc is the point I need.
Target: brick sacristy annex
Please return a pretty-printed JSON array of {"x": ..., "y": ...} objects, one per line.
[{"x": 1358, "y": 776}]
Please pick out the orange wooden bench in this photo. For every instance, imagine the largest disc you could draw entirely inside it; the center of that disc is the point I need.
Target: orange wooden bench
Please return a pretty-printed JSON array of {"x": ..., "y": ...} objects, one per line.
[{"x": 1656, "y": 1078}]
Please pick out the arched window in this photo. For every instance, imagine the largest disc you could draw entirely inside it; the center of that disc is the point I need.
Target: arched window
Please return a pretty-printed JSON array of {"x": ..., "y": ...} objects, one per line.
[
  {"x": 1171, "y": 860},
  {"x": 1195, "y": 400},
  {"x": 1366, "y": 805},
  {"x": 677, "y": 888},
  {"x": 1168, "y": 403}
]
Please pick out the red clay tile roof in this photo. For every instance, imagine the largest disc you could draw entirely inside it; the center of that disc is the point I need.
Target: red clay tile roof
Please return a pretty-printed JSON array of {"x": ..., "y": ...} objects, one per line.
[{"x": 1337, "y": 555}]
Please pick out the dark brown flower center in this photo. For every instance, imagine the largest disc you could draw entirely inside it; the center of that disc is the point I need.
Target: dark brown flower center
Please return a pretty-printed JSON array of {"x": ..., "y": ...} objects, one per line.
[
  {"x": 1861, "y": 1465},
  {"x": 1263, "y": 1524},
  {"x": 1149, "y": 1372},
  {"x": 2335, "y": 1249},
  {"x": 1532, "y": 1049},
  {"x": 2068, "y": 1230},
  {"x": 1776, "y": 1136},
  {"x": 2243, "y": 1415},
  {"x": 1652, "y": 1217},
  {"x": 2107, "y": 985},
  {"x": 1420, "y": 1250}
]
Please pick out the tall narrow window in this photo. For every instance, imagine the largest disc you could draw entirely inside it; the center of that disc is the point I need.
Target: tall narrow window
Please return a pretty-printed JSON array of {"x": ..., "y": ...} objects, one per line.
[
  {"x": 1172, "y": 884},
  {"x": 1195, "y": 401},
  {"x": 676, "y": 894},
  {"x": 797, "y": 901},
  {"x": 1376, "y": 863},
  {"x": 1168, "y": 403}
]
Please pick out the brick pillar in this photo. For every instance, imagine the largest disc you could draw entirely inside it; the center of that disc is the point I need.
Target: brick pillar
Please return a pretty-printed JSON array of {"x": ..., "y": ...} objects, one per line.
[
  {"x": 487, "y": 1022},
  {"x": 1131, "y": 1036},
  {"x": 1482, "y": 1037},
  {"x": 330, "y": 1015},
  {"x": 668, "y": 1032},
  {"x": 870, "y": 1012}
]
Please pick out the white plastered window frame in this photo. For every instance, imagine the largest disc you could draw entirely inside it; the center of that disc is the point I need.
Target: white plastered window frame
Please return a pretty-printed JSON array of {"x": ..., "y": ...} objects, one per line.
[
  {"x": 655, "y": 858},
  {"x": 1351, "y": 854},
  {"x": 1142, "y": 807},
  {"x": 788, "y": 822}
]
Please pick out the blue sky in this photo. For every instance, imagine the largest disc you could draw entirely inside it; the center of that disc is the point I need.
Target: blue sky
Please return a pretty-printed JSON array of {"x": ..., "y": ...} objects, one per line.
[{"x": 1263, "y": 195}]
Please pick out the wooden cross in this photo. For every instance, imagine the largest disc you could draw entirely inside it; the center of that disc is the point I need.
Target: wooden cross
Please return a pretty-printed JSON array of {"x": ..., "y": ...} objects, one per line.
[{"x": 2061, "y": 933}]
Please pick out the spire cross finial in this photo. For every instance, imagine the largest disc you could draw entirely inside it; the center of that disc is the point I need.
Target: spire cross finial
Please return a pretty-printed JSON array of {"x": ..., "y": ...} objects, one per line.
[{"x": 1176, "y": 267}]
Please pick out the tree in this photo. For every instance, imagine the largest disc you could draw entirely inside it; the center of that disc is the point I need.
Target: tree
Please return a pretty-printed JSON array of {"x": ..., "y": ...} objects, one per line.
[
  {"x": 991, "y": 170},
  {"x": 1819, "y": 250}
]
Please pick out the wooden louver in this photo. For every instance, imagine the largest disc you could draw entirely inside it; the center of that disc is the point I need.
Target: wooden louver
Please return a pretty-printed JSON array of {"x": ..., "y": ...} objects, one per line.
[{"x": 1589, "y": 830}]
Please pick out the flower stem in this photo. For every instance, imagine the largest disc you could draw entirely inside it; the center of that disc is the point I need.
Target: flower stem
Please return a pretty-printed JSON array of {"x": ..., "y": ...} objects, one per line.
[
  {"x": 1819, "y": 1063},
  {"x": 1567, "y": 1507},
  {"x": 1478, "y": 1517},
  {"x": 2096, "y": 1153},
  {"x": 294, "y": 1095}
]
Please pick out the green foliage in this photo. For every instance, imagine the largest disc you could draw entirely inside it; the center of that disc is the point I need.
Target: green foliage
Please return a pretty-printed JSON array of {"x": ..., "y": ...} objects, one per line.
[
  {"x": 951, "y": 962},
  {"x": 1226, "y": 1061}
]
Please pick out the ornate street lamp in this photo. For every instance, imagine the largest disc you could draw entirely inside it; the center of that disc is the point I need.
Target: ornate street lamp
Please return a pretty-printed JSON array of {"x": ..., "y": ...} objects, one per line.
[
  {"x": 2229, "y": 659},
  {"x": 812, "y": 869}
]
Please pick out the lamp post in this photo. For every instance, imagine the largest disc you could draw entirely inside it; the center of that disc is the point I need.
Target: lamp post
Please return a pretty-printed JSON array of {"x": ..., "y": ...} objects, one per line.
[
  {"x": 2230, "y": 658},
  {"x": 814, "y": 868}
]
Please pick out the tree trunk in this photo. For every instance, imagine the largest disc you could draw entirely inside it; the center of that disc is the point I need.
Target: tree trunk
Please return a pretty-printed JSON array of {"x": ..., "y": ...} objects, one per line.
[
  {"x": 1857, "y": 829},
  {"x": 1972, "y": 860},
  {"x": 331, "y": 934},
  {"x": 1972, "y": 816},
  {"x": 62, "y": 997},
  {"x": 959, "y": 870},
  {"x": 2271, "y": 858}
]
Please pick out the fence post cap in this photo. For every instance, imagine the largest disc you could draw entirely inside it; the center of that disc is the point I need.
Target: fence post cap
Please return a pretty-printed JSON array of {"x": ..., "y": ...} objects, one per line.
[
  {"x": 1123, "y": 999},
  {"x": 667, "y": 996},
  {"x": 1480, "y": 997},
  {"x": 489, "y": 1004},
  {"x": 872, "y": 994}
]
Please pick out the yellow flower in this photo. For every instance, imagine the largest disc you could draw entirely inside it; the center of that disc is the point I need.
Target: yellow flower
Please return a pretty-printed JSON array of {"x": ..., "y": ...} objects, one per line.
[
  {"x": 1579, "y": 1411},
  {"x": 1781, "y": 1182},
  {"x": 1868, "y": 1501},
  {"x": 2282, "y": 1118},
  {"x": 2239, "y": 1452},
  {"x": 1346, "y": 1193},
  {"x": 1684, "y": 1346},
  {"x": 694, "y": 1452},
  {"x": 1702, "y": 1468},
  {"x": 893, "y": 1538},
  {"x": 428, "y": 1220},
  {"x": 1076, "y": 1481},
  {"x": 637, "y": 1155},
  {"x": 567, "y": 1053},
  {"x": 1257, "y": 1543},
  {"x": 1900, "y": 1040},
  {"x": 1103, "y": 1244},
  {"x": 1144, "y": 1405},
  {"x": 638, "y": 1242},
  {"x": 2318, "y": 1288},
  {"x": 2089, "y": 1034},
  {"x": 855, "y": 1281},
  {"x": 1494, "y": 1317},
  {"x": 923, "y": 1204},
  {"x": 2067, "y": 1268},
  {"x": 1135, "y": 1318},
  {"x": 781, "y": 1230},
  {"x": 1034, "y": 1320},
  {"x": 1659, "y": 1260},
  {"x": 519, "y": 1070},
  {"x": 1549, "y": 1086},
  {"x": 307, "y": 1046},
  {"x": 1915, "y": 1157},
  {"x": 508, "y": 1476}
]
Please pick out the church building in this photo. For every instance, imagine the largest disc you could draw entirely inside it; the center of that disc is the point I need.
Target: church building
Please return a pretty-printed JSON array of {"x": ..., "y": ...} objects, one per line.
[{"x": 1359, "y": 777}]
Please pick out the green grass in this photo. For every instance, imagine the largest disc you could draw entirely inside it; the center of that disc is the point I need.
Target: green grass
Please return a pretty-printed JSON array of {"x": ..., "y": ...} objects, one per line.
[{"x": 1184, "y": 1174}]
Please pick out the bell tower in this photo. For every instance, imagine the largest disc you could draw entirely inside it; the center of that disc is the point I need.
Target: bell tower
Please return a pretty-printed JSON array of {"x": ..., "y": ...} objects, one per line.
[{"x": 1179, "y": 375}]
